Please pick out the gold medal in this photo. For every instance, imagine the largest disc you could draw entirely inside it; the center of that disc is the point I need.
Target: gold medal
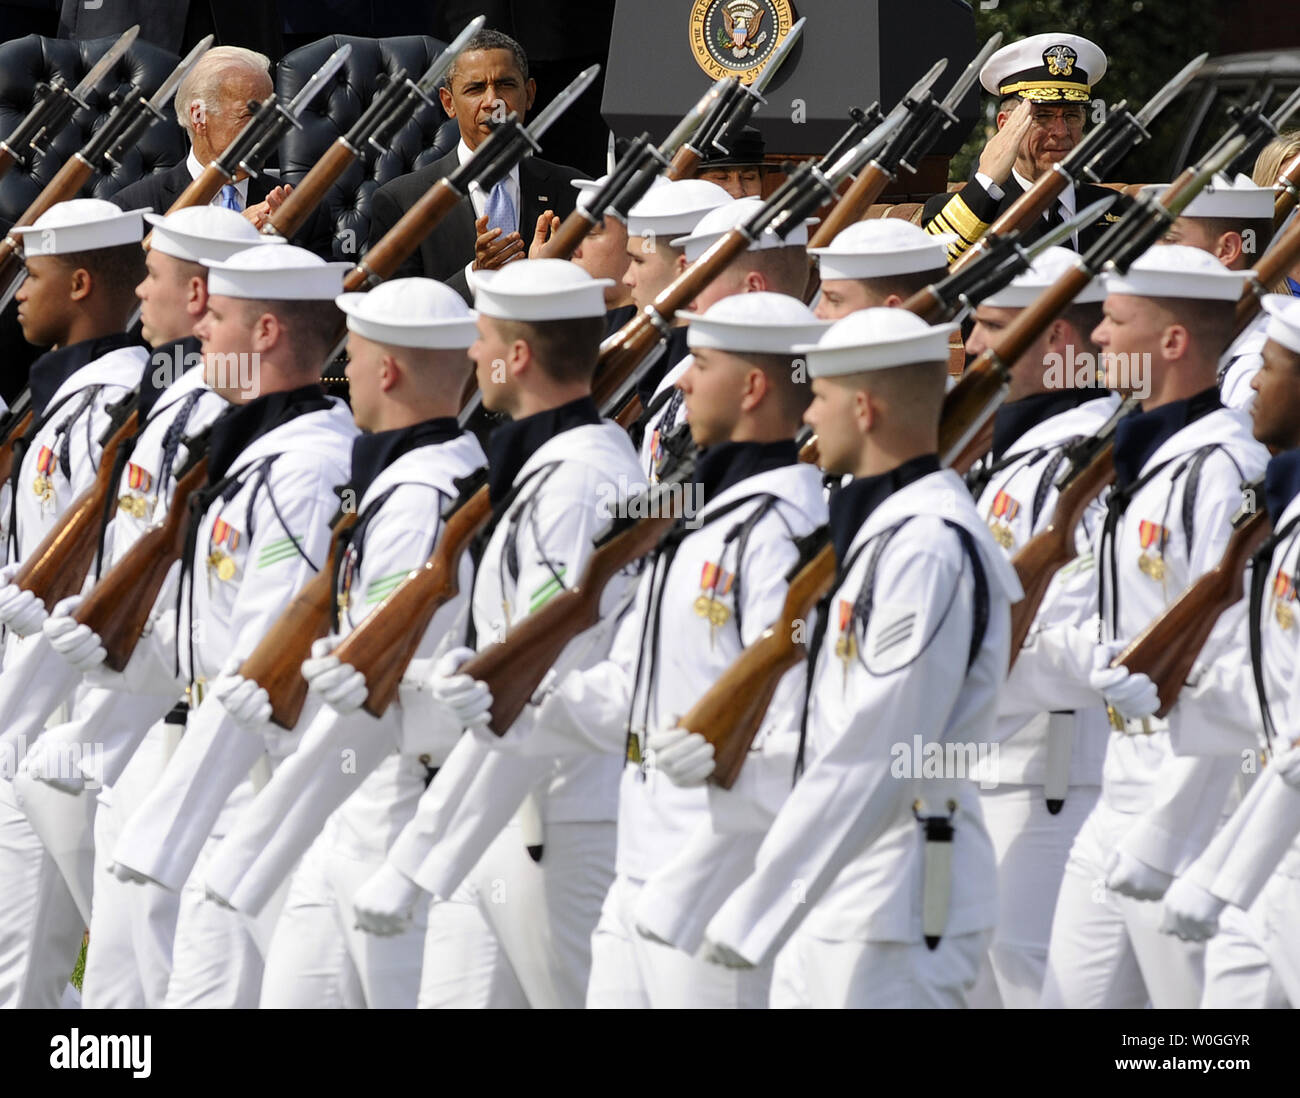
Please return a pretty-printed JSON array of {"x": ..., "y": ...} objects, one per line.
[
  {"x": 1002, "y": 535},
  {"x": 223, "y": 564},
  {"x": 1285, "y": 615},
  {"x": 1153, "y": 565},
  {"x": 43, "y": 487}
]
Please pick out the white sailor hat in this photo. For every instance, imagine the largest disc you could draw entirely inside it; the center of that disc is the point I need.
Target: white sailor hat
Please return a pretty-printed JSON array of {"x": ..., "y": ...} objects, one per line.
[
  {"x": 539, "y": 289},
  {"x": 411, "y": 312},
  {"x": 588, "y": 187},
  {"x": 758, "y": 323},
  {"x": 719, "y": 221},
  {"x": 204, "y": 234},
  {"x": 1047, "y": 268},
  {"x": 1237, "y": 199},
  {"x": 876, "y": 339},
  {"x": 1047, "y": 68},
  {"x": 81, "y": 225},
  {"x": 882, "y": 246},
  {"x": 674, "y": 208},
  {"x": 1283, "y": 320},
  {"x": 1176, "y": 270},
  {"x": 286, "y": 273}
]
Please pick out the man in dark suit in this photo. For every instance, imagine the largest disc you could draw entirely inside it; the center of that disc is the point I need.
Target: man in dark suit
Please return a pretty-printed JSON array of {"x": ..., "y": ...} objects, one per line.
[
  {"x": 1045, "y": 87},
  {"x": 490, "y": 76}
]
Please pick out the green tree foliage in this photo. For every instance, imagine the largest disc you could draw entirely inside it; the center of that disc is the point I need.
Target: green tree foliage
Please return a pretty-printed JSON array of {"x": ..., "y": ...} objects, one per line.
[{"x": 1146, "y": 41}]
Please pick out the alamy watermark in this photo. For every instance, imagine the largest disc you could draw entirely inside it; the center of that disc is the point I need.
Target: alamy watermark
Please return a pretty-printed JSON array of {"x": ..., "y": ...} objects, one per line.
[{"x": 1129, "y": 373}]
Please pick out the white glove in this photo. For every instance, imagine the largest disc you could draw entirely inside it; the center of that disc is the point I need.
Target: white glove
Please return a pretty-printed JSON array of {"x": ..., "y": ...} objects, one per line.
[
  {"x": 718, "y": 954},
  {"x": 78, "y": 644},
  {"x": 684, "y": 756},
  {"x": 1132, "y": 696},
  {"x": 242, "y": 698},
  {"x": 1130, "y": 877},
  {"x": 385, "y": 902},
  {"x": 1191, "y": 913},
  {"x": 1287, "y": 764},
  {"x": 341, "y": 686},
  {"x": 469, "y": 699},
  {"x": 20, "y": 610}
]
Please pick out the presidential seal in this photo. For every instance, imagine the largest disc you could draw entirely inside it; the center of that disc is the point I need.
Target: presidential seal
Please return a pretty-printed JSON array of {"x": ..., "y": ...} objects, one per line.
[{"x": 736, "y": 37}]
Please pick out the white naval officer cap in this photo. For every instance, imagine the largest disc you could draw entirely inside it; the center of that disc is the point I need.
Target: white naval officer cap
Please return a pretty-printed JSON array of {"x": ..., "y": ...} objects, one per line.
[
  {"x": 205, "y": 234},
  {"x": 757, "y": 323},
  {"x": 1237, "y": 199},
  {"x": 719, "y": 221},
  {"x": 81, "y": 225},
  {"x": 1177, "y": 270},
  {"x": 675, "y": 207},
  {"x": 1047, "y": 268},
  {"x": 538, "y": 289},
  {"x": 876, "y": 339},
  {"x": 882, "y": 246},
  {"x": 1046, "y": 68},
  {"x": 1283, "y": 320},
  {"x": 286, "y": 273},
  {"x": 411, "y": 312}
]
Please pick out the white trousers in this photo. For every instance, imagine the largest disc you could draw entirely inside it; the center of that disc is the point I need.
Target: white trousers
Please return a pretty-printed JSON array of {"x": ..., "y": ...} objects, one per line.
[
  {"x": 813, "y": 972},
  {"x": 517, "y": 933},
  {"x": 629, "y": 971},
  {"x": 319, "y": 959},
  {"x": 1031, "y": 846},
  {"x": 1238, "y": 975},
  {"x": 1107, "y": 950},
  {"x": 40, "y": 926}
]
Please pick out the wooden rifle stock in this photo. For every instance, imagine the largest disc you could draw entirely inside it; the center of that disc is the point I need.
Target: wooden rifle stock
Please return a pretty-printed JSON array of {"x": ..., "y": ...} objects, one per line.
[
  {"x": 119, "y": 605},
  {"x": 308, "y": 194},
  {"x": 731, "y": 711},
  {"x": 1270, "y": 268},
  {"x": 7, "y": 446},
  {"x": 405, "y": 237},
  {"x": 276, "y": 663},
  {"x": 565, "y": 240},
  {"x": 58, "y": 566},
  {"x": 683, "y": 164},
  {"x": 514, "y": 668},
  {"x": 1044, "y": 554},
  {"x": 384, "y": 643},
  {"x": 1167, "y": 648},
  {"x": 853, "y": 205}
]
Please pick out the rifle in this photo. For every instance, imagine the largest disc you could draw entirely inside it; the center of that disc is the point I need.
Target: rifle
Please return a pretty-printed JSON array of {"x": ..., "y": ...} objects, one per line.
[
  {"x": 385, "y": 642},
  {"x": 397, "y": 98},
  {"x": 13, "y": 426},
  {"x": 58, "y": 566},
  {"x": 1167, "y": 648},
  {"x": 118, "y": 606},
  {"x": 132, "y": 114},
  {"x": 1268, "y": 269},
  {"x": 1091, "y": 161},
  {"x": 626, "y": 353},
  {"x": 1288, "y": 191},
  {"x": 927, "y": 119},
  {"x": 505, "y": 147},
  {"x": 55, "y": 105},
  {"x": 981, "y": 389},
  {"x": 267, "y": 124},
  {"x": 1089, "y": 468},
  {"x": 276, "y": 663},
  {"x": 514, "y": 667}
]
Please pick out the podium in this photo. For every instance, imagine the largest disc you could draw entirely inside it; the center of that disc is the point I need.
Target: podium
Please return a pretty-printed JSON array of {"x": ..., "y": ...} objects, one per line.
[{"x": 852, "y": 53}]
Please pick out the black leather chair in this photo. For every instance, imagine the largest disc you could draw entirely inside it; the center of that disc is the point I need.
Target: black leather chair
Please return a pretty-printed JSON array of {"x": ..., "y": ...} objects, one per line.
[
  {"x": 426, "y": 136},
  {"x": 26, "y": 62}
]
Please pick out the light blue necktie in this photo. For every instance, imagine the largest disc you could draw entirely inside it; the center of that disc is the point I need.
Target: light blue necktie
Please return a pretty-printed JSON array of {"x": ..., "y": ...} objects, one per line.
[
  {"x": 500, "y": 210},
  {"x": 230, "y": 198}
]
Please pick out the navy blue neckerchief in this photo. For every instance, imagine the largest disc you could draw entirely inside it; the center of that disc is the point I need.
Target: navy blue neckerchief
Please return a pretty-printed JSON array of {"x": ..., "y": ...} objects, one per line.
[
  {"x": 616, "y": 318},
  {"x": 173, "y": 357},
  {"x": 373, "y": 453},
  {"x": 1281, "y": 482},
  {"x": 511, "y": 444},
  {"x": 719, "y": 467},
  {"x": 1142, "y": 434},
  {"x": 53, "y": 368},
  {"x": 242, "y": 425},
  {"x": 853, "y": 504},
  {"x": 1012, "y": 421}
]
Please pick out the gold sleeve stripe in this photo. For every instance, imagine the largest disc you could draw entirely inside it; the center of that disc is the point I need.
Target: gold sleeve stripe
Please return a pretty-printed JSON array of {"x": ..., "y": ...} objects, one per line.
[{"x": 963, "y": 221}]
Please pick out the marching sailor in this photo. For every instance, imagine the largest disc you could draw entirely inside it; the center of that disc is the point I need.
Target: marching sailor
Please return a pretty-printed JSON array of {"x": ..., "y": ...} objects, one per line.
[
  {"x": 259, "y": 531},
  {"x": 879, "y": 883},
  {"x": 406, "y": 368},
  {"x": 877, "y": 263}
]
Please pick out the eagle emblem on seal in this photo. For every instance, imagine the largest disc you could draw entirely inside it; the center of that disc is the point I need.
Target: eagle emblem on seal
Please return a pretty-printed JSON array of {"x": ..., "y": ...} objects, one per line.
[{"x": 741, "y": 27}]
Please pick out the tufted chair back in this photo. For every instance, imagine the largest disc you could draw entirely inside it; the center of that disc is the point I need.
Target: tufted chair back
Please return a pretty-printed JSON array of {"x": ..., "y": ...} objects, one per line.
[
  {"x": 426, "y": 135},
  {"x": 26, "y": 62}
]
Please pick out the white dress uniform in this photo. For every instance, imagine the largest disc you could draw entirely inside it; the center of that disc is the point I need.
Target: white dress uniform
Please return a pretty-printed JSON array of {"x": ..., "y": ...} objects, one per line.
[
  {"x": 40, "y": 926},
  {"x": 913, "y": 636},
  {"x": 1181, "y": 468}
]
